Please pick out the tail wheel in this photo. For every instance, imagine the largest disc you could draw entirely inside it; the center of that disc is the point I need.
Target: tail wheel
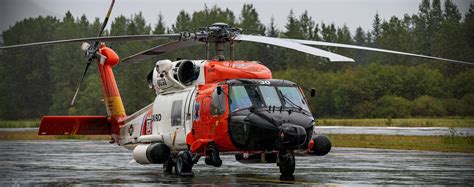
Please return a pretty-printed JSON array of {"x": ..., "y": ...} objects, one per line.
[
  {"x": 286, "y": 163},
  {"x": 184, "y": 164}
]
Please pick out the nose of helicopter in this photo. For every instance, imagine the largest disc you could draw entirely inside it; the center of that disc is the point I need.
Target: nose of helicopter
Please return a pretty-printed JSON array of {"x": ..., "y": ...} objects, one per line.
[
  {"x": 266, "y": 130},
  {"x": 292, "y": 135}
]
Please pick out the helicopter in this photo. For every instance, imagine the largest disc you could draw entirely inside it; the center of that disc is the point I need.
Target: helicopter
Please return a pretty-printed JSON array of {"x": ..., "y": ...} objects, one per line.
[{"x": 204, "y": 108}]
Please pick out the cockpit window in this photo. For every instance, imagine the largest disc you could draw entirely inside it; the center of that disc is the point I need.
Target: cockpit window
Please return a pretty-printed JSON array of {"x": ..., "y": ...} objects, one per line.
[
  {"x": 245, "y": 96},
  {"x": 270, "y": 96},
  {"x": 292, "y": 96}
]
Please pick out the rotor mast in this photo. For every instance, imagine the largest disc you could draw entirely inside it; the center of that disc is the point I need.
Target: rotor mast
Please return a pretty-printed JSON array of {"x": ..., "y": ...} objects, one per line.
[{"x": 219, "y": 34}]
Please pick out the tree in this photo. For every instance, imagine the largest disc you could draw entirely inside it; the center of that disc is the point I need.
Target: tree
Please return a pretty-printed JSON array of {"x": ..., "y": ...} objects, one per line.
[
  {"x": 183, "y": 22},
  {"x": 428, "y": 106},
  {"x": 26, "y": 79},
  {"x": 160, "y": 27},
  {"x": 376, "y": 29},
  {"x": 344, "y": 37},
  {"x": 392, "y": 107},
  {"x": 250, "y": 23},
  {"x": 293, "y": 27},
  {"x": 272, "y": 29},
  {"x": 360, "y": 39},
  {"x": 66, "y": 64},
  {"x": 307, "y": 26},
  {"x": 249, "y": 20}
]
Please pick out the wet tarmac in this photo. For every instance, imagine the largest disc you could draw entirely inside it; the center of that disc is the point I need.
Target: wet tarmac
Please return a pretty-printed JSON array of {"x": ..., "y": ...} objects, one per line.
[
  {"x": 405, "y": 131},
  {"x": 97, "y": 162}
]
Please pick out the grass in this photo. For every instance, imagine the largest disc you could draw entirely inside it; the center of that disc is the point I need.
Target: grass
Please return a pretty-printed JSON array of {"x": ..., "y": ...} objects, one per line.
[
  {"x": 450, "y": 143},
  {"x": 405, "y": 122},
  {"x": 33, "y": 135},
  {"x": 381, "y": 122},
  {"x": 19, "y": 123}
]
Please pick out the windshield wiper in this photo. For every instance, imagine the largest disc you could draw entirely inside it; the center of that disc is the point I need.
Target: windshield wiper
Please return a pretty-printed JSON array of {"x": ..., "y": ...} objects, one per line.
[{"x": 290, "y": 101}]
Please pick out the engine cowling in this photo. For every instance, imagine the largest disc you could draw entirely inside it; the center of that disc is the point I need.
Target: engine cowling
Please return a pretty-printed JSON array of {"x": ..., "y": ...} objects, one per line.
[
  {"x": 156, "y": 153},
  {"x": 169, "y": 75}
]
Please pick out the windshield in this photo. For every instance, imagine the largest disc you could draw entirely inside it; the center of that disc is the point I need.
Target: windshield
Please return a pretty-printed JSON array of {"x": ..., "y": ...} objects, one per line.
[
  {"x": 292, "y": 96},
  {"x": 265, "y": 96}
]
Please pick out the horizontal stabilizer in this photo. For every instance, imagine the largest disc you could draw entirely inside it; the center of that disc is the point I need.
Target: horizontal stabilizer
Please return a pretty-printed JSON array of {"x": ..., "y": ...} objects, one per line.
[{"x": 74, "y": 125}]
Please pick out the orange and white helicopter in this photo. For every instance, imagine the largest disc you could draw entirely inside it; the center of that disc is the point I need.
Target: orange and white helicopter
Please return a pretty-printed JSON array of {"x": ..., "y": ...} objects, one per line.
[{"x": 204, "y": 107}]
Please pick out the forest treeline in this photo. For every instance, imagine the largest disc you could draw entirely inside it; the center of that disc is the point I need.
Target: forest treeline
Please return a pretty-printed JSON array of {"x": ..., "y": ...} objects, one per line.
[{"x": 42, "y": 80}]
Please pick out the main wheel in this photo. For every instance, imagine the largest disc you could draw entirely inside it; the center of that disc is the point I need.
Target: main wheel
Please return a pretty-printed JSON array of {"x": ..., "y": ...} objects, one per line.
[
  {"x": 184, "y": 164},
  {"x": 286, "y": 163}
]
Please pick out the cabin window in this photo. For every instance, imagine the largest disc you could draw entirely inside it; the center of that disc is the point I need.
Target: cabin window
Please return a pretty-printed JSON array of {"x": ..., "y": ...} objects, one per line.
[
  {"x": 176, "y": 113},
  {"x": 218, "y": 103}
]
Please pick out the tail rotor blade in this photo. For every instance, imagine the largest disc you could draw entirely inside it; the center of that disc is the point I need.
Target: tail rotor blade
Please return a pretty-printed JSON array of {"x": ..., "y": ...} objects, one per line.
[
  {"x": 92, "y": 51},
  {"x": 80, "y": 82},
  {"x": 104, "y": 23}
]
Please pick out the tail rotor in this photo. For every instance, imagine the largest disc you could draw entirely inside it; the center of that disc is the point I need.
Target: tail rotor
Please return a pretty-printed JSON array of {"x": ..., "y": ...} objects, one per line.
[{"x": 92, "y": 52}]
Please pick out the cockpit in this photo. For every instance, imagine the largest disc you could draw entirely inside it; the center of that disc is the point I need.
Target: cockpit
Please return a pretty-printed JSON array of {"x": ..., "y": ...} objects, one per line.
[
  {"x": 264, "y": 109},
  {"x": 244, "y": 96}
]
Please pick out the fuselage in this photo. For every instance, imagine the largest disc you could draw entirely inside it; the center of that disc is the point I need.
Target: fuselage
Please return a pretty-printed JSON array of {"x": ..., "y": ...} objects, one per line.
[{"x": 235, "y": 105}]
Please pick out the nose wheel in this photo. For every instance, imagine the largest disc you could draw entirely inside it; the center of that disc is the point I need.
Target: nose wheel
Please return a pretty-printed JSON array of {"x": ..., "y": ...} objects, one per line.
[
  {"x": 184, "y": 164},
  {"x": 213, "y": 157},
  {"x": 286, "y": 163}
]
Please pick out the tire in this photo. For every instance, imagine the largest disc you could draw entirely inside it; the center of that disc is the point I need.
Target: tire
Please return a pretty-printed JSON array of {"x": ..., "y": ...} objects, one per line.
[
  {"x": 322, "y": 145},
  {"x": 286, "y": 163},
  {"x": 184, "y": 164},
  {"x": 213, "y": 159},
  {"x": 208, "y": 160},
  {"x": 216, "y": 159}
]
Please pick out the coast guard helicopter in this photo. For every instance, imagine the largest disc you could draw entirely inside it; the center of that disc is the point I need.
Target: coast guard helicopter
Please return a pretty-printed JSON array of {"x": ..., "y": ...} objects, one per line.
[{"x": 204, "y": 108}]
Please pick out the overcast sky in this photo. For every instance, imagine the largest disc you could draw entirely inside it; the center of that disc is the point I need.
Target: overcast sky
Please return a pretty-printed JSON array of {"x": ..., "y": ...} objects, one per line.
[{"x": 353, "y": 13}]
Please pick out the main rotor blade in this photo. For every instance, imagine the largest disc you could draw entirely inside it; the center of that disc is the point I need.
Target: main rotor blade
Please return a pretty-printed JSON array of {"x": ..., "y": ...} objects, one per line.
[
  {"x": 102, "y": 39},
  {"x": 161, "y": 49},
  {"x": 329, "y": 44},
  {"x": 80, "y": 82},
  {"x": 294, "y": 45}
]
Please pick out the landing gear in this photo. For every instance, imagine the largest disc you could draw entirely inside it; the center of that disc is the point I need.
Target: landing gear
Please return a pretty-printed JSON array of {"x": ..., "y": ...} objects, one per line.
[
  {"x": 286, "y": 163},
  {"x": 184, "y": 164},
  {"x": 213, "y": 157},
  {"x": 168, "y": 166}
]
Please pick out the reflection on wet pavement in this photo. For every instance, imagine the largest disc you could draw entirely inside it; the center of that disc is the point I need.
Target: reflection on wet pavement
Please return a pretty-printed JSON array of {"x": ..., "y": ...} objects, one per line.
[
  {"x": 97, "y": 162},
  {"x": 405, "y": 131}
]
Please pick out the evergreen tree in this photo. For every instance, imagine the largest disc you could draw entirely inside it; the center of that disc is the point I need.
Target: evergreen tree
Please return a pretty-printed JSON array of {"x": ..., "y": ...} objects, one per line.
[
  {"x": 183, "y": 22},
  {"x": 250, "y": 22},
  {"x": 272, "y": 29},
  {"x": 307, "y": 26},
  {"x": 293, "y": 27},
  {"x": 344, "y": 37},
  {"x": 26, "y": 80},
  {"x": 160, "y": 27},
  {"x": 360, "y": 39},
  {"x": 376, "y": 29}
]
